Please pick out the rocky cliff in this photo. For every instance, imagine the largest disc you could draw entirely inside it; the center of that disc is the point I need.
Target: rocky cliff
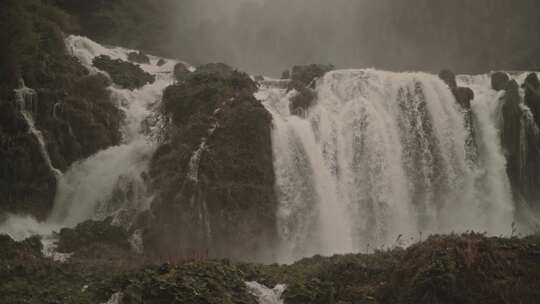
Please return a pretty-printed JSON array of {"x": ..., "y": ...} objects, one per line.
[{"x": 213, "y": 176}]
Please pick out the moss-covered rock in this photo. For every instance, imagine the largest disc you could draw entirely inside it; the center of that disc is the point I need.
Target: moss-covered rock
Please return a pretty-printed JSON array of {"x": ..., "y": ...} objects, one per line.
[
  {"x": 90, "y": 232},
  {"x": 73, "y": 110},
  {"x": 218, "y": 164},
  {"x": 123, "y": 73}
]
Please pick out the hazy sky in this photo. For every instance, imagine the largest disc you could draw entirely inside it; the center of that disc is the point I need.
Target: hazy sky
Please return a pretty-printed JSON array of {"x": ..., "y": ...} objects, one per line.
[{"x": 268, "y": 36}]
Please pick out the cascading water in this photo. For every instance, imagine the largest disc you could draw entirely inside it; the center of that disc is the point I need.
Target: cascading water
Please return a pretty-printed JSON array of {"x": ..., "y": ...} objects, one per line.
[
  {"x": 87, "y": 190},
  {"x": 266, "y": 295},
  {"x": 27, "y": 100},
  {"x": 382, "y": 156}
]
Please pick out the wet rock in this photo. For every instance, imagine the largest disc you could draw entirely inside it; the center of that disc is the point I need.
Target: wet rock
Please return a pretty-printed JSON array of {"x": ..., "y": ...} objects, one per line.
[
  {"x": 511, "y": 132},
  {"x": 464, "y": 96},
  {"x": 499, "y": 81},
  {"x": 138, "y": 57},
  {"x": 214, "y": 178},
  {"x": 301, "y": 101},
  {"x": 449, "y": 78},
  {"x": 123, "y": 73},
  {"x": 532, "y": 95},
  {"x": 161, "y": 62}
]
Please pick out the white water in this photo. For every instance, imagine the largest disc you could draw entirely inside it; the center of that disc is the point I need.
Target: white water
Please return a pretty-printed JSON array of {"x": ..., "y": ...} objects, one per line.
[
  {"x": 85, "y": 191},
  {"x": 27, "y": 101},
  {"x": 266, "y": 295},
  {"x": 382, "y": 157},
  {"x": 379, "y": 159}
]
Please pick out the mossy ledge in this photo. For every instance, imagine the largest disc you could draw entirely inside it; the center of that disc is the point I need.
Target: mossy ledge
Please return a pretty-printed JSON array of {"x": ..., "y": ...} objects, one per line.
[{"x": 452, "y": 269}]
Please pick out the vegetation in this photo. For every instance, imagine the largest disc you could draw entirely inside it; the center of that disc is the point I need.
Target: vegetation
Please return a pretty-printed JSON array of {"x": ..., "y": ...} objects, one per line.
[
  {"x": 125, "y": 74},
  {"x": 86, "y": 120},
  {"x": 217, "y": 161},
  {"x": 452, "y": 269}
]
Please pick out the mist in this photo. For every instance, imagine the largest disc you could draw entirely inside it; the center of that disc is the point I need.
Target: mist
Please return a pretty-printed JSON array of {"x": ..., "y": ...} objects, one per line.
[{"x": 262, "y": 36}]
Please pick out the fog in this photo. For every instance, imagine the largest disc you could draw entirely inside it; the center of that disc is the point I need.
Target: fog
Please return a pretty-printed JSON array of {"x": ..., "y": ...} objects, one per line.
[{"x": 268, "y": 36}]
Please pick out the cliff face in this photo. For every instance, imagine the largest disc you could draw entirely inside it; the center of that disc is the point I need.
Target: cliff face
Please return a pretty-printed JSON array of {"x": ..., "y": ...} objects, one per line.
[
  {"x": 70, "y": 108},
  {"x": 214, "y": 177},
  {"x": 520, "y": 141}
]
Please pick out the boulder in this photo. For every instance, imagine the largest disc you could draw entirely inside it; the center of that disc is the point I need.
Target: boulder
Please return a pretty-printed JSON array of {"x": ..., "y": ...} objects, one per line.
[
  {"x": 123, "y": 73},
  {"x": 499, "y": 80},
  {"x": 138, "y": 57}
]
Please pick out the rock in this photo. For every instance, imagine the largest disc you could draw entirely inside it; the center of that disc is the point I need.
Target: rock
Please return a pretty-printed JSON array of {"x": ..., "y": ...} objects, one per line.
[
  {"x": 532, "y": 95},
  {"x": 214, "y": 180},
  {"x": 258, "y": 78},
  {"x": 138, "y": 57},
  {"x": 499, "y": 81},
  {"x": 449, "y": 78},
  {"x": 301, "y": 101},
  {"x": 180, "y": 72},
  {"x": 511, "y": 133},
  {"x": 161, "y": 62},
  {"x": 123, "y": 73},
  {"x": 464, "y": 96}
]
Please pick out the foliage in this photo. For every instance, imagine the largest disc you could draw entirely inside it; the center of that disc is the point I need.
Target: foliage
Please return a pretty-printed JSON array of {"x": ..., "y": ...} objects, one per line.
[
  {"x": 216, "y": 122},
  {"x": 123, "y": 73},
  {"x": 71, "y": 240}
]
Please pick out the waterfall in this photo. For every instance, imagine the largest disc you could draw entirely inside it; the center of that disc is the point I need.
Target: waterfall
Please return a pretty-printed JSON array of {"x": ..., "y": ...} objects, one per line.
[
  {"x": 27, "y": 101},
  {"x": 266, "y": 295},
  {"x": 88, "y": 187},
  {"x": 111, "y": 181},
  {"x": 382, "y": 156}
]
